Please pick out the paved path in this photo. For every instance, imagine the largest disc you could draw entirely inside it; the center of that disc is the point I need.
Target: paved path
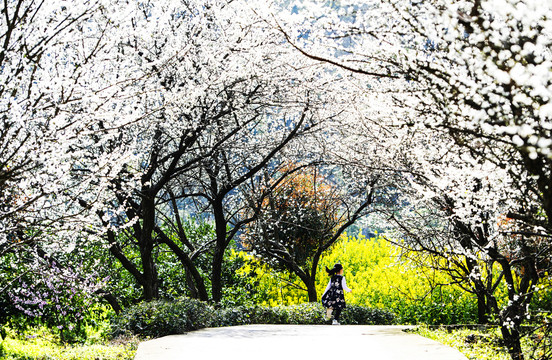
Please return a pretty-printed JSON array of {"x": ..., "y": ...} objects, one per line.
[{"x": 290, "y": 342}]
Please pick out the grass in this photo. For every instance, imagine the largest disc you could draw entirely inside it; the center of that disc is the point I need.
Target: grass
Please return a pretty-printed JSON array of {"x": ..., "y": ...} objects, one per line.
[
  {"x": 484, "y": 344},
  {"x": 474, "y": 344},
  {"x": 41, "y": 344}
]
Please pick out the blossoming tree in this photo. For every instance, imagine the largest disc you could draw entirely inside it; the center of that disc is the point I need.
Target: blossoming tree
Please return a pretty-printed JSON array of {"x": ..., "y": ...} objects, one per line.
[{"x": 474, "y": 78}]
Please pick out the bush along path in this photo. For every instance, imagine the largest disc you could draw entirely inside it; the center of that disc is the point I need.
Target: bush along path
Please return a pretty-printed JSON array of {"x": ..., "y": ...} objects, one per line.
[{"x": 161, "y": 318}]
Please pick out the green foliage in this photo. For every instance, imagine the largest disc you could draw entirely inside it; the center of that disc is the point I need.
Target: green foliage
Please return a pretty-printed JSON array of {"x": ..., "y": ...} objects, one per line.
[
  {"x": 59, "y": 297},
  {"x": 160, "y": 318},
  {"x": 238, "y": 287},
  {"x": 542, "y": 299},
  {"x": 269, "y": 315},
  {"x": 124, "y": 286},
  {"x": 198, "y": 232},
  {"x": 306, "y": 314},
  {"x": 357, "y": 315},
  {"x": 232, "y": 316}
]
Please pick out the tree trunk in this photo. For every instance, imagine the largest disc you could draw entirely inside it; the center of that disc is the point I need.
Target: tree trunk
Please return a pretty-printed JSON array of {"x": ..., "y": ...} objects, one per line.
[
  {"x": 512, "y": 342},
  {"x": 111, "y": 299},
  {"x": 151, "y": 281},
  {"x": 480, "y": 288},
  {"x": 216, "y": 274},
  {"x": 482, "y": 317},
  {"x": 311, "y": 289},
  {"x": 220, "y": 248},
  {"x": 311, "y": 285},
  {"x": 307, "y": 279},
  {"x": 190, "y": 286}
]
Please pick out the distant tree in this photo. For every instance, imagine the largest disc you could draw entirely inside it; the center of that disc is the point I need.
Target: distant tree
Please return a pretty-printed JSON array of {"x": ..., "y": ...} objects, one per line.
[{"x": 301, "y": 217}]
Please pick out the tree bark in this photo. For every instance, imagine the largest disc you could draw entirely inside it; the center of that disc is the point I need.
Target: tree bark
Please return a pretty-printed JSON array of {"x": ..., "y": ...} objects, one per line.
[
  {"x": 145, "y": 242},
  {"x": 220, "y": 248},
  {"x": 482, "y": 317},
  {"x": 311, "y": 290},
  {"x": 311, "y": 285},
  {"x": 190, "y": 286},
  {"x": 512, "y": 341},
  {"x": 216, "y": 274}
]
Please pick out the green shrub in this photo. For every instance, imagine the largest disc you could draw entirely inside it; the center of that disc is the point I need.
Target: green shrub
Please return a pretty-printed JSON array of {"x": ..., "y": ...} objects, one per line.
[
  {"x": 301, "y": 314},
  {"x": 356, "y": 315},
  {"x": 269, "y": 315},
  {"x": 306, "y": 314},
  {"x": 314, "y": 314},
  {"x": 232, "y": 316},
  {"x": 161, "y": 318}
]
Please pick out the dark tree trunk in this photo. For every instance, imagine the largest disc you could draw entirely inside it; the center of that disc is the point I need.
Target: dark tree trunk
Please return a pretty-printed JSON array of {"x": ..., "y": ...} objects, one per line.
[
  {"x": 311, "y": 284},
  {"x": 220, "y": 248},
  {"x": 512, "y": 341},
  {"x": 482, "y": 317},
  {"x": 480, "y": 288},
  {"x": 311, "y": 290},
  {"x": 216, "y": 274},
  {"x": 305, "y": 278},
  {"x": 513, "y": 314},
  {"x": 190, "y": 285},
  {"x": 151, "y": 281}
]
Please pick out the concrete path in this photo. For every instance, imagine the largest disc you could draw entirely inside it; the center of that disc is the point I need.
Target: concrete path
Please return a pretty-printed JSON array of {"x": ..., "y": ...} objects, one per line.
[{"x": 290, "y": 342}]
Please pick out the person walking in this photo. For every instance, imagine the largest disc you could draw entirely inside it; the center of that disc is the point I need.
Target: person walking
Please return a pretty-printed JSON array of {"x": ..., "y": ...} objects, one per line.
[{"x": 333, "y": 298}]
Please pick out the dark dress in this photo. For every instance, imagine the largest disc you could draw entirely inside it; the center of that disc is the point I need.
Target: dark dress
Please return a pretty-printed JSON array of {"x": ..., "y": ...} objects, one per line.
[{"x": 334, "y": 298}]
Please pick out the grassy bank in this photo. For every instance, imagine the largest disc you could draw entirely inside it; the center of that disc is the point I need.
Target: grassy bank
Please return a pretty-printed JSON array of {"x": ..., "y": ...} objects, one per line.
[
  {"x": 42, "y": 344},
  {"x": 480, "y": 344}
]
